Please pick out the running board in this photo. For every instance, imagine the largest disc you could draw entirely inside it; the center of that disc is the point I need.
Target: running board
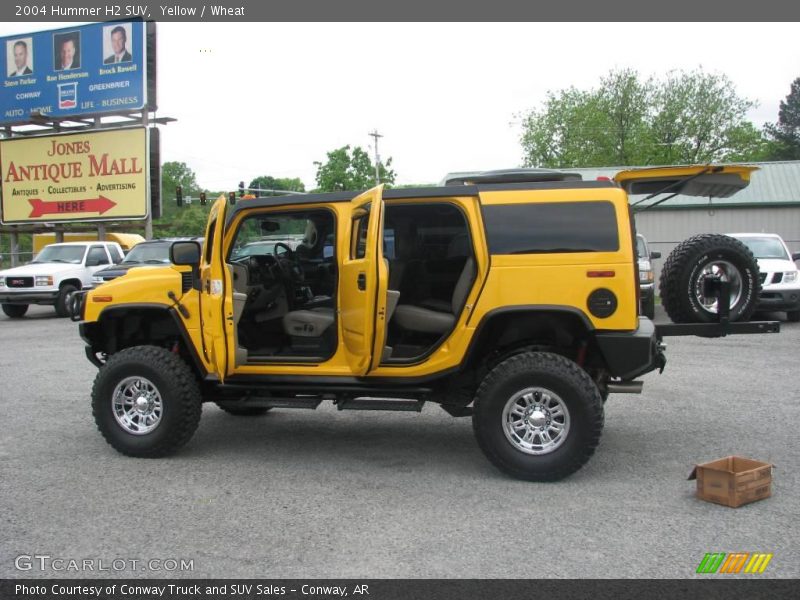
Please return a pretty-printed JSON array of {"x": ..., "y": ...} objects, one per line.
[
  {"x": 381, "y": 404},
  {"x": 310, "y": 402}
]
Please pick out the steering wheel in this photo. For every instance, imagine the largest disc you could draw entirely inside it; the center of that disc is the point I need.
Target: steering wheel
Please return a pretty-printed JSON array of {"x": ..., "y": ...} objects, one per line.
[{"x": 288, "y": 251}]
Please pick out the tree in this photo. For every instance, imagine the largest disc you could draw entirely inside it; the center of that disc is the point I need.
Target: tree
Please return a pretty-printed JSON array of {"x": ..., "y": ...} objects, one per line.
[
  {"x": 346, "y": 170},
  {"x": 785, "y": 134},
  {"x": 174, "y": 174},
  {"x": 266, "y": 182},
  {"x": 687, "y": 117}
]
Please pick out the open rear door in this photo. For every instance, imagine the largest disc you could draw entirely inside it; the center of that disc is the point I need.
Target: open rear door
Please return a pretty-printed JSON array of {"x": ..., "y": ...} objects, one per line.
[
  {"x": 708, "y": 181},
  {"x": 363, "y": 284},
  {"x": 215, "y": 287}
]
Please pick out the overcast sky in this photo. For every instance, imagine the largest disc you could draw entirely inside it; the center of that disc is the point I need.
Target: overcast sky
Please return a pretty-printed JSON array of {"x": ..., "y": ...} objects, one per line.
[{"x": 270, "y": 99}]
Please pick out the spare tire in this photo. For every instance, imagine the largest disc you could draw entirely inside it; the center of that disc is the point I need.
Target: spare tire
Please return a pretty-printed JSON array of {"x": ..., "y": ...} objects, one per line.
[{"x": 688, "y": 265}]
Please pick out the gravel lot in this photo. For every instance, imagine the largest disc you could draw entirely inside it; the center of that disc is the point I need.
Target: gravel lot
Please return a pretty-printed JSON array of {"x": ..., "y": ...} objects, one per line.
[{"x": 351, "y": 494}]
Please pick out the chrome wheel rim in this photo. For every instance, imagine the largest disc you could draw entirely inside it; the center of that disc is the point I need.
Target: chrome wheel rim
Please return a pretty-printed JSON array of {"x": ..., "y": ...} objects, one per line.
[
  {"x": 726, "y": 272},
  {"x": 137, "y": 405},
  {"x": 536, "y": 421}
]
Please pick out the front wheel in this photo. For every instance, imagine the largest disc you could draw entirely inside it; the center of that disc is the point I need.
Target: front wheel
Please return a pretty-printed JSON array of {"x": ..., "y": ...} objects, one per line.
[
  {"x": 793, "y": 316},
  {"x": 64, "y": 298},
  {"x": 146, "y": 401},
  {"x": 15, "y": 311},
  {"x": 538, "y": 416}
]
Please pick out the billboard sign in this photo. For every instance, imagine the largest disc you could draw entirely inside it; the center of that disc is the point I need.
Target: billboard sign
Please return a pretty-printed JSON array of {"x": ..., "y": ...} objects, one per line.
[
  {"x": 78, "y": 71},
  {"x": 92, "y": 176}
]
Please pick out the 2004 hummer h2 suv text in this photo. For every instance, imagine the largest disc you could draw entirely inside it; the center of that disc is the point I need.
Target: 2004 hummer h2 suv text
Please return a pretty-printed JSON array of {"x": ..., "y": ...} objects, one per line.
[{"x": 507, "y": 296}]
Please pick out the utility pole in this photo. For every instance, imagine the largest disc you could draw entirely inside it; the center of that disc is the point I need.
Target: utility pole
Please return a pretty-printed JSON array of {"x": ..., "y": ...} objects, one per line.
[{"x": 377, "y": 135}]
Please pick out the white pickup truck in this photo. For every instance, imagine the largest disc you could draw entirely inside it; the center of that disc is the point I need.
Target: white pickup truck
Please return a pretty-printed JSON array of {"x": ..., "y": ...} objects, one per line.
[{"x": 56, "y": 273}]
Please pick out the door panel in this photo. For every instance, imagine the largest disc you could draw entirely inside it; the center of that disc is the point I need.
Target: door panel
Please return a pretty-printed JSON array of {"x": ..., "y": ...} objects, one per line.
[
  {"x": 363, "y": 283},
  {"x": 216, "y": 303}
]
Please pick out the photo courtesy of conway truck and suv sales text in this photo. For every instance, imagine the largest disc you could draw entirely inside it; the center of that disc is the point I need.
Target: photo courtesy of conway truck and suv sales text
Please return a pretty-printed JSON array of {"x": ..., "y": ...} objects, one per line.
[{"x": 507, "y": 296}]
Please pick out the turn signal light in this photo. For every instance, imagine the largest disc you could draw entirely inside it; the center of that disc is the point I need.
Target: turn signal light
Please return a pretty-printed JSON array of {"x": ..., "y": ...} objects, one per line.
[{"x": 102, "y": 298}]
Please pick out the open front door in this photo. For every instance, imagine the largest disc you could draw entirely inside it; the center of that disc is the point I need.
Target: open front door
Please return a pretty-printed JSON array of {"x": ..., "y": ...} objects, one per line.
[
  {"x": 216, "y": 327},
  {"x": 363, "y": 283}
]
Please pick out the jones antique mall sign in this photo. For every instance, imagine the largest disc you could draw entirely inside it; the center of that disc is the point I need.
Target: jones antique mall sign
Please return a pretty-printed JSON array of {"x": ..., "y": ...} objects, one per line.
[{"x": 97, "y": 176}]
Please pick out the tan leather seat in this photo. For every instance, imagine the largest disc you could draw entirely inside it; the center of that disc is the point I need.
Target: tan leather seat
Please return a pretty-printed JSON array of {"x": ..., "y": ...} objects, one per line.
[{"x": 427, "y": 319}]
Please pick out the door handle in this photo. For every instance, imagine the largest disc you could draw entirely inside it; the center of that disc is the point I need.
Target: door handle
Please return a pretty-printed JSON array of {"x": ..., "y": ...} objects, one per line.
[{"x": 362, "y": 281}]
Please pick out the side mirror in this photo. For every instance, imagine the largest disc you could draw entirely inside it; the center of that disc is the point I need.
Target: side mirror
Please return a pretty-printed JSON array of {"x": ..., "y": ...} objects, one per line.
[
  {"x": 655, "y": 255},
  {"x": 92, "y": 262},
  {"x": 796, "y": 256},
  {"x": 185, "y": 253}
]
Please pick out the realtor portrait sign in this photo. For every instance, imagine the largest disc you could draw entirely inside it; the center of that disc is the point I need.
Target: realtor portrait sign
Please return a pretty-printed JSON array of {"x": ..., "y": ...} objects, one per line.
[
  {"x": 78, "y": 71},
  {"x": 98, "y": 176}
]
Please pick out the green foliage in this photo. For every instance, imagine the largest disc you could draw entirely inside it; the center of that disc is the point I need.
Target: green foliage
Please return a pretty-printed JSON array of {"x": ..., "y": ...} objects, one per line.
[
  {"x": 785, "y": 134},
  {"x": 346, "y": 170},
  {"x": 687, "y": 117},
  {"x": 266, "y": 182}
]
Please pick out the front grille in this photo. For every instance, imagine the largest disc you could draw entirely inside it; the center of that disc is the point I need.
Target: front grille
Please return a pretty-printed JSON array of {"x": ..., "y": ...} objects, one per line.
[
  {"x": 19, "y": 282},
  {"x": 186, "y": 281},
  {"x": 763, "y": 277},
  {"x": 777, "y": 278}
]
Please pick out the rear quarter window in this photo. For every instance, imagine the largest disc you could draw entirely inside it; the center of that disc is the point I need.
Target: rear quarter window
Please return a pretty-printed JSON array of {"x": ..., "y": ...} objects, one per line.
[{"x": 551, "y": 227}]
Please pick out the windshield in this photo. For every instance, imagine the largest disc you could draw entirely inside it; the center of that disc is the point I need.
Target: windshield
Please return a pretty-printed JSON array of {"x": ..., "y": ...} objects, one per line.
[
  {"x": 766, "y": 247},
  {"x": 254, "y": 249},
  {"x": 148, "y": 253},
  {"x": 61, "y": 254},
  {"x": 641, "y": 247}
]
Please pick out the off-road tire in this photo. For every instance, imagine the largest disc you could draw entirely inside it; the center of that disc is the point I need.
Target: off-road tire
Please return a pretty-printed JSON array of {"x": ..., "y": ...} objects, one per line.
[
  {"x": 179, "y": 393},
  {"x": 15, "y": 311},
  {"x": 793, "y": 316},
  {"x": 243, "y": 411},
  {"x": 553, "y": 372},
  {"x": 62, "y": 301},
  {"x": 684, "y": 266}
]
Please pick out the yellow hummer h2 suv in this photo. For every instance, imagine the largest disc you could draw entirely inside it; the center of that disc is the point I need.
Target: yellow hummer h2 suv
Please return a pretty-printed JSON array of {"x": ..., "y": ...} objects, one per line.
[{"x": 507, "y": 296}]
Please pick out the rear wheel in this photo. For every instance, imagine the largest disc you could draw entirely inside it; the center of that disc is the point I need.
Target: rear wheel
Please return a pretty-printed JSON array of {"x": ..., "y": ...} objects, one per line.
[
  {"x": 683, "y": 293},
  {"x": 538, "y": 416},
  {"x": 146, "y": 401},
  {"x": 793, "y": 316},
  {"x": 15, "y": 311}
]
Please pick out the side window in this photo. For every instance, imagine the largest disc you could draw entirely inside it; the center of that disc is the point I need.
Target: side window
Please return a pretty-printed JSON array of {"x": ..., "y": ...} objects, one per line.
[
  {"x": 358, "y": 239},
  {"x": 116, "y": 255},
  {"x": 210, "y": 242},
  {"x": 551, "y": 227},
  {"x": 389, "y": 244},
  {"x": 97, "y": 256}
]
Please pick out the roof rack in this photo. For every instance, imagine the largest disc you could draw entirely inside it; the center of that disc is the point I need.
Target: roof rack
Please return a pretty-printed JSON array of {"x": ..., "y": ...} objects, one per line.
[{"x": 511, "y": 176}]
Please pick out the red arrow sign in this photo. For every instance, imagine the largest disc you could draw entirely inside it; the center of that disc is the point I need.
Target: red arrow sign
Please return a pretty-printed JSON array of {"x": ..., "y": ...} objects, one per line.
[{"x": 92, "y": 205}]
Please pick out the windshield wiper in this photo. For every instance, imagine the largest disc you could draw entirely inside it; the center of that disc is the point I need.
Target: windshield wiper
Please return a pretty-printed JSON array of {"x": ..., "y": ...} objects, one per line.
[{"x": 159, "y": 261}]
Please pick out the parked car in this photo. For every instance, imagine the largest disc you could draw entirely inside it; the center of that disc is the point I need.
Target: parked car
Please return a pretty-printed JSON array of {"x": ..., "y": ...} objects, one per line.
[
  {"x": 56, "y": 273},
  {"x": 780, "y": 281},
  {"x": 153, "y": 253},
  {"x": 647, "y": 286},
  {"x": 510, "y": 302}
]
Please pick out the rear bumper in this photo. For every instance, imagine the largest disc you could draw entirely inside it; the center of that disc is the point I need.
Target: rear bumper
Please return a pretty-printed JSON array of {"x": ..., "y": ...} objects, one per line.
[
  {"x": 779, "y": 299},
  {"x": 629, "y": 354},
  {"x": 26, "y": 297}
]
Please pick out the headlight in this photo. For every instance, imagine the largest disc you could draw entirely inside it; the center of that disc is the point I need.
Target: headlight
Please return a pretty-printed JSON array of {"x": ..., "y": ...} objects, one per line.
[
  {"x": 97, "y": 280},
  {"x": 790, "y": 277},
  {"x": 645, "y": 277},
  {"x": 43, "y": 280}
]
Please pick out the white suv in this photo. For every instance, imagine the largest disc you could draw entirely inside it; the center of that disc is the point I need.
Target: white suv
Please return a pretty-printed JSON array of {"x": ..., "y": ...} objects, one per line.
[
  {"x": 56, "y": 273},
  {"x": 780, "y": 280}
]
